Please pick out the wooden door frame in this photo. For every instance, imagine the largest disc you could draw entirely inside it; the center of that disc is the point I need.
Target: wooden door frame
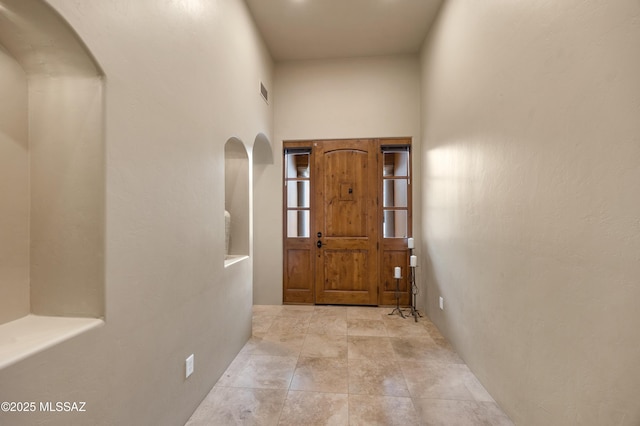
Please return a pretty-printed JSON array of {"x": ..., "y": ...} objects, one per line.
[
  {"x": 393, "y": 251},
  {"x": 300, "y": 290}
]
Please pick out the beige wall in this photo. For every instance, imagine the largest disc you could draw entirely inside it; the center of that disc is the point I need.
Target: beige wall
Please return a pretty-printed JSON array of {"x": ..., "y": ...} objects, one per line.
[
  {"x": 66, "y": 153},
  {"x": 65, "y": 194},
  {"x": 236, "y": 170},
  {"x": 346, "y": 98},
  {"x": 181, "y": 79},
  {"x": 63, "y": 119},
  {"x": 531, "y": 153},
  {"x": 14, "y": 191}
]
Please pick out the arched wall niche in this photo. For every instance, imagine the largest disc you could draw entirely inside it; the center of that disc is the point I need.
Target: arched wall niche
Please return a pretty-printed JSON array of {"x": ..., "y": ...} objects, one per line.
[
  {"x": 262, "y": 152},
  {"x": 236, "y": 200},
  {"x": 266, "y": 233},
  {"x": 52, "y": 184}
]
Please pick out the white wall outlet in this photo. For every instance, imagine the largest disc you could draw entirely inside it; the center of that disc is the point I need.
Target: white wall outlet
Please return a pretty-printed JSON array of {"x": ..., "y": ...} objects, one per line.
[
  {"x": 442, "y": 303},
  {"x": 189, "y": 366}
]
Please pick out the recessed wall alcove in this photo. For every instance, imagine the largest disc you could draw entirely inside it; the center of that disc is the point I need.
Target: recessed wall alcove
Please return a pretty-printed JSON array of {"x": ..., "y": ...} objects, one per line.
[
  {"x": 236, "y": 199},
  {"x": 265, "y": 232},
  {"x": 52, "y": 183}
]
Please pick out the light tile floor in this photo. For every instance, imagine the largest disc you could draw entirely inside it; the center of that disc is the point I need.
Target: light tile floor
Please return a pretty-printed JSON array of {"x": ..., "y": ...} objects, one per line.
[{"x": 334, "y": 365}]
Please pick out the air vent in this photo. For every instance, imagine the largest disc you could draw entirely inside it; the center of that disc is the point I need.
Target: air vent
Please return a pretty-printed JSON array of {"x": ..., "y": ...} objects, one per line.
[{"x": 264, "y": 93}]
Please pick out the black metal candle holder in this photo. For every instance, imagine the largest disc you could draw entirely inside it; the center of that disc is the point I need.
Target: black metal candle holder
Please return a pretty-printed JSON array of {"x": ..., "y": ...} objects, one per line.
[
  {"x": 397, "y": 308},
  {"x": 414, "y": 288}
]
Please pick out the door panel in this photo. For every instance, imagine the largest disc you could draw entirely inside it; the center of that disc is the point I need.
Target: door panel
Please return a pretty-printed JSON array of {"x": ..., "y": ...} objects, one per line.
[
  {"x": 345, "y": 200},
  {"x": 346, "y": 218},
  {"x": 298, "y": 263},
  {"x": 298, "y": 285},
  {"x": 345, "y": 270}
]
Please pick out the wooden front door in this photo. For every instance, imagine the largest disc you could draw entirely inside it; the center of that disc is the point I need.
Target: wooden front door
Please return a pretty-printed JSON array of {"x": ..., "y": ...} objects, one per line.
[
  {"x": 347, "y": 215},
  {"x": 346, "y": 222}
]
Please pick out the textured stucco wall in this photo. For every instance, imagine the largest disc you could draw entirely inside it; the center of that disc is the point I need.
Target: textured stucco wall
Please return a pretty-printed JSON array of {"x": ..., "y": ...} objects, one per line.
[
  {"x": 531, "y": 184},
  {"x": 236, "y": 180},
  {"x": 63, "y": 121},
  {"x": 67, "y": 192},
  {"x": 14, "y": 191},
  {"x": 181, "y": 78}
]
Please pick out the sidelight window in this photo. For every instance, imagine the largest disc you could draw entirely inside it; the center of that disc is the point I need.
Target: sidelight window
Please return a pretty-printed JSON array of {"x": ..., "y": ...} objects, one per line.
[
  {"x": 395, "y": 191},
  {"x": 298, "y": 193}
]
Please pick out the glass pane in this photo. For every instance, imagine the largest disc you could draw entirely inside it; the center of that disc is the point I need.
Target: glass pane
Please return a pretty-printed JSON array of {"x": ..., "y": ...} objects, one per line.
[
  {"x": 298, "y": 194},
  {"x": 298, "y": 223},
  {"x": 394, "y": 224},
  {"x": 297, "y": 165},
  {"x": 394, "y": 192},
  {"x": 396, "y": 163}
]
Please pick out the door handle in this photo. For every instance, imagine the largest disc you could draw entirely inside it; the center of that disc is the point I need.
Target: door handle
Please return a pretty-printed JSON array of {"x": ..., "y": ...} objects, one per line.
[{"x": 319, "y": 244}]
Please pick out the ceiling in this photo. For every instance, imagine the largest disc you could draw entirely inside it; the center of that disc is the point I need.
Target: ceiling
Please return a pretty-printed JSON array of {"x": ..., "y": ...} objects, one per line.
[{"x": 322, "y": 29}]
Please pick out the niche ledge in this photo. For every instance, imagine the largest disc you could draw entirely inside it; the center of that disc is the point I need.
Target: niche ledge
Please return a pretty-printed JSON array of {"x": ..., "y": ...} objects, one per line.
[
  {"x": 32, "y": 334},
  {"x": 231, "y": 259}
]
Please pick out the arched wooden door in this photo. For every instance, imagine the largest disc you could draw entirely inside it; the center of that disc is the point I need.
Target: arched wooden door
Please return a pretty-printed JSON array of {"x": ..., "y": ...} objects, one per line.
[{"x": 346, "y": 222}]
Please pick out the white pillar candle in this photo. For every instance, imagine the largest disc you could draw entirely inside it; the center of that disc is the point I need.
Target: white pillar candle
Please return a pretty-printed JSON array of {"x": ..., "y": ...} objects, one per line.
[
  {"x": 413, "y": 261},
  {"x": 396, "y": 272},
  {"x": 410, "y": 243}
]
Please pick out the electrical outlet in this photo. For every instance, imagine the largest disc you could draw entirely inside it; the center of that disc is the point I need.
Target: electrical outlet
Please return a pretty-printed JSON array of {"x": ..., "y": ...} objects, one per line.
[
  {"x": 189, "y": 366},
  {"x": 442, "y": 303}
]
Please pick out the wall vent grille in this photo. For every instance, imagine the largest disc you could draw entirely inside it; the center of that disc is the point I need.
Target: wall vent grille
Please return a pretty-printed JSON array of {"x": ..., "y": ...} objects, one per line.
[{"x": 264, "y": 93}]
